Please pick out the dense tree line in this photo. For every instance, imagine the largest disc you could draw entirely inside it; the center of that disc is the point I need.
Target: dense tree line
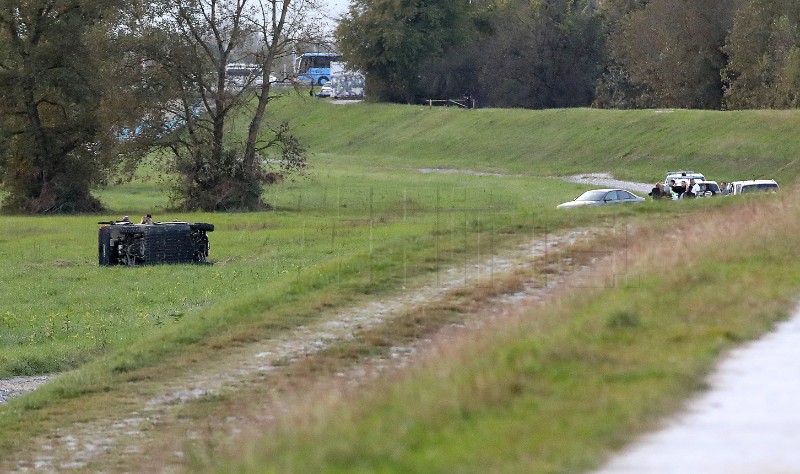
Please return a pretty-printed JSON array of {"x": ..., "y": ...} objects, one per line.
[
  {"x": 89, "y": 87},
  {"x": 715, "y": 54}
]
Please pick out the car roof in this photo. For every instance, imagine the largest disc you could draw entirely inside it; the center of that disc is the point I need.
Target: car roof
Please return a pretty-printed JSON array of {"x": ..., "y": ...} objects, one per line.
[
  {"x": 756, "y": 181},
  {"x": 685, "y": 176}
]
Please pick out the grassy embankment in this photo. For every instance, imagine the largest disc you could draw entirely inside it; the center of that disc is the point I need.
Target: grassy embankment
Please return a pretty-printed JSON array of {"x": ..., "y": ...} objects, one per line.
[
  {"x": 636, "y": 145},
  {"x": 365, "y": 220},
  {"x": 558, "y": 387}
]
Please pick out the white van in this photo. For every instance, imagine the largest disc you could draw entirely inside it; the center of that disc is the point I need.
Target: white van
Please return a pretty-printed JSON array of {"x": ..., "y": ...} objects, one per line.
[
  {"x": 679, "y": 176},
  {"x": 754, "y": 185},
  {"x": 241, "y": 75}
]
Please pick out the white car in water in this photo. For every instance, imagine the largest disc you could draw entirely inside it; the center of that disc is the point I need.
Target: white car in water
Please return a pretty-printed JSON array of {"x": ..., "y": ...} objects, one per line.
[{"x": 599, "y": 197}]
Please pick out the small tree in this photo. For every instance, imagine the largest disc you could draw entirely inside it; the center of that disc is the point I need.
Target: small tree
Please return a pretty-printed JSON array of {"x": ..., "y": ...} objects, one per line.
[
  {"x": 56, "y": 103},
  {"x": 391, "y": 41},
  {"x": 763, "y": 48},
  {"x": 191, "y": 42}
]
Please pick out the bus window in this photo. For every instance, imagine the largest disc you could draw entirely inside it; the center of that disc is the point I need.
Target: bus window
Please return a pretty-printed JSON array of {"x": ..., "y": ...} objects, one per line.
[{"x": 315, "y": 67}]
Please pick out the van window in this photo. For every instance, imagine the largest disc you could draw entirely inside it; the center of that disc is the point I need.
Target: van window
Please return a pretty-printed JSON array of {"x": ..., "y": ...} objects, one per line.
[{"x": 763, "y": 187}]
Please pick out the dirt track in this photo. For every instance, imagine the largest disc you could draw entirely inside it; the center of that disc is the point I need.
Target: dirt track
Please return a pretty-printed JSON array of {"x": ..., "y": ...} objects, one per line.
[
  {"x": 16, "y": 386},
  {"x": 117, "y": 444},
  {"x": 100, "y": 443}
]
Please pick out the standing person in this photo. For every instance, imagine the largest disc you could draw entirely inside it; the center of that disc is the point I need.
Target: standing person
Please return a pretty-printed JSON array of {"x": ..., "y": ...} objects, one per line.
[
  {"x": 658, "y": 192},
  {"x": 696, "y": 188},
  {"x": 692, "y": 190},
  {"x": 148, "y": 219},
  {"x": 677, "y": 189}
]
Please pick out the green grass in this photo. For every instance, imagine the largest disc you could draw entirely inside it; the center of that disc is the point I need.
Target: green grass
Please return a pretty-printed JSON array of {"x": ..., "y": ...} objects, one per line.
[
  {"x": 365, "y": 220},
  {"x": 639, "y": 144},
  {"x": 560, "y": 387},
  {"x": 62, "y": 309}
]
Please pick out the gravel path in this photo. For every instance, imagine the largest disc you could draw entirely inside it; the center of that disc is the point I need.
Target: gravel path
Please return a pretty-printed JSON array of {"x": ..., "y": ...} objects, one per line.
[
  {"x": 110, "y": 444},
  {"x": 606, "y": 180},
  {"x": 748, "y": 422},
  {"x": 458, "y": 171},
  {"x": 16, "y": 386}
]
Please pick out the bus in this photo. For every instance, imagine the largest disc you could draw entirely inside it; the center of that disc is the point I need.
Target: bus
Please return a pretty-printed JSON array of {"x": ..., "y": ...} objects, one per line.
[
  {"x": 315, "y": 67},
  {"x": 241, "y": 75}
]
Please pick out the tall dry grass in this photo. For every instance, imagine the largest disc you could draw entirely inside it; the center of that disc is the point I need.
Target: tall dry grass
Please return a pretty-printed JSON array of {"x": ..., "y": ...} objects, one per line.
[{"x": 556, "y": 386}]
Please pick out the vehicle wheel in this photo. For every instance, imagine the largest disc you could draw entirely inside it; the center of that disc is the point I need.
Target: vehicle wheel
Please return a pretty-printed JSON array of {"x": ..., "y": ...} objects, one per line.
[
  {"x": 202, "y": 226},
  {"x": 201, "y": 248},
  {"x": 129, "y": 260}
]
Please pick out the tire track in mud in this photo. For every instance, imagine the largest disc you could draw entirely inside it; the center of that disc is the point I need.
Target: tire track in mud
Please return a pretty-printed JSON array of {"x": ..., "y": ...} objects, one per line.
[{"x": 113, "y": 445}]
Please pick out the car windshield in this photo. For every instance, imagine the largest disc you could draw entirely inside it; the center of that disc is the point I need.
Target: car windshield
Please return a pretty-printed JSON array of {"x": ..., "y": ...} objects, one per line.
[
  {"x": 759, "y": 187},
  {"x": 592, "y": 196}
]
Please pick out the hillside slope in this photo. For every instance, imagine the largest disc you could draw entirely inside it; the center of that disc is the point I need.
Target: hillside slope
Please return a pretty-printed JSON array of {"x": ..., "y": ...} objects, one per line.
[
  {"x": 638, "y": 144},
  {"x": 555, "y": 390}
]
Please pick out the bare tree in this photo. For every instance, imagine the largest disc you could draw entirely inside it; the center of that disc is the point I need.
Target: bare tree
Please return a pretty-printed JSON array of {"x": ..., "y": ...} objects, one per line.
[{"x": 190, "y": 44}]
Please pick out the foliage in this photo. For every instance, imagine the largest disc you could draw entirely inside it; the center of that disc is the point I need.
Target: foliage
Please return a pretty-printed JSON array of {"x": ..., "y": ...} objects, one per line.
[
  {"x": 59, "y": 110},
  {"x": 764, "y": 51},
  {"x": 542, "y": 55},
  {"x": 611, "y": 54},
  {"x": 228, "y": 183},
  {"x": 670, "y": 52},
  {"x": 190, "y": 44},
  {"x": 391, "y": 41}
]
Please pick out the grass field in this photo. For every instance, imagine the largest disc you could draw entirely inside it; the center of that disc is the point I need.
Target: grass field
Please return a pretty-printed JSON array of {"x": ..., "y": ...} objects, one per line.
[
  {"x": 557, "y": 388},
  {"x": 637, "y": 145},
  {"x": 365, "y": 220},
  {"x": 62, "y": 310}
]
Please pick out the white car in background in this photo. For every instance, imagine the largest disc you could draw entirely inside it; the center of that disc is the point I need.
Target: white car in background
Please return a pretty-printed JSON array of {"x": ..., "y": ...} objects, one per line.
[
  {"x": 708, "y": 189},
  {"x": 679, "y": 176},
  {"x": 754, "y": 186},
  {"x": 600, "y": 197}
]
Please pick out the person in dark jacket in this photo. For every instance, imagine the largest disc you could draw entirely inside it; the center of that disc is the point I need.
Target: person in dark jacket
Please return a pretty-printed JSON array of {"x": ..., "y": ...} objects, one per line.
[
  {"x": 677, "y": 189},
  {"x": 658, "y": 192},
  {"x": 691, "y": 190}
]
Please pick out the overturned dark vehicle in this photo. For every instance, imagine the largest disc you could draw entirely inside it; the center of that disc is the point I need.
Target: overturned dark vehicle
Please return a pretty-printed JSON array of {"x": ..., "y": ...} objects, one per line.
[{"x": 125, "y": 243}]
